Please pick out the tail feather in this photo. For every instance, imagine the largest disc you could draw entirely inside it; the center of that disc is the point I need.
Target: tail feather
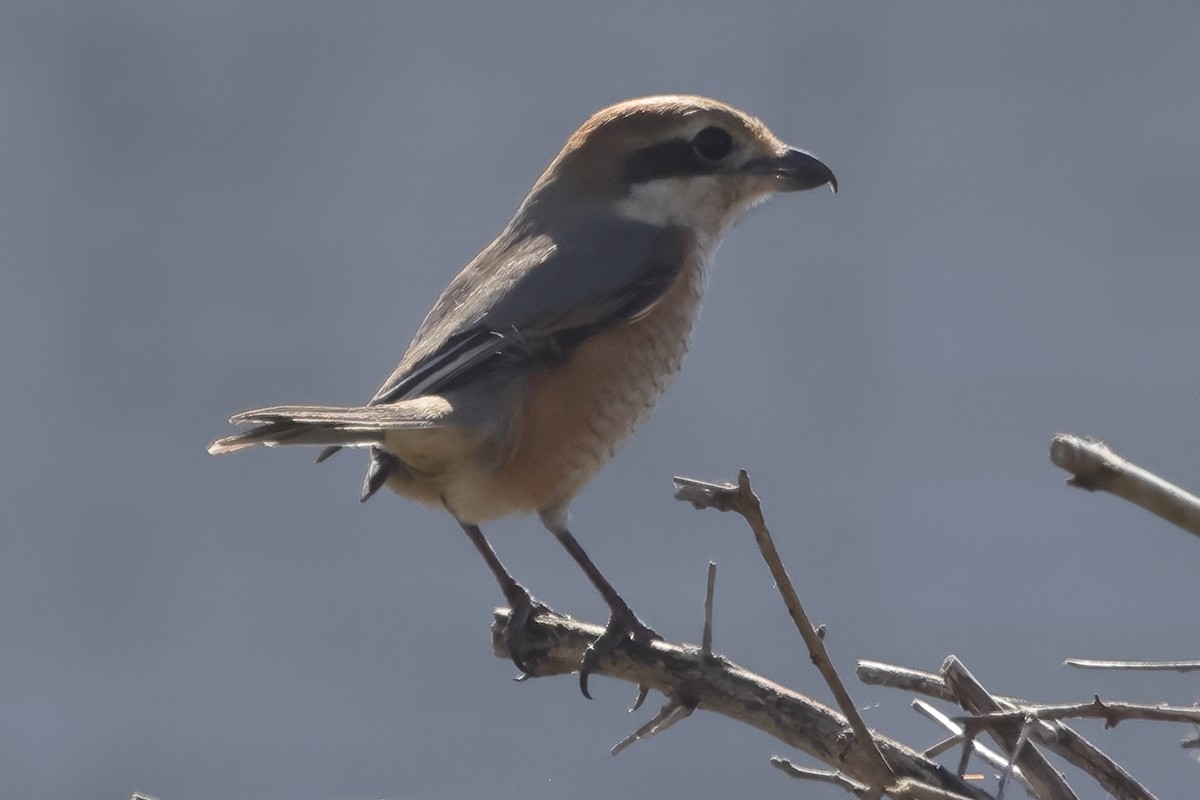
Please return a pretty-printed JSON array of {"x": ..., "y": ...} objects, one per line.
[
  {"x": 285, "y": 434},
  {"x": 328, "y": 426},
  {"x": 403, "y": 415}
]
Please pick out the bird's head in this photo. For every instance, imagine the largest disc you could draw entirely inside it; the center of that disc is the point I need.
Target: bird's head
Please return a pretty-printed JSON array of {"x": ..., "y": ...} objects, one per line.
[{"x": 674, "y": 160}]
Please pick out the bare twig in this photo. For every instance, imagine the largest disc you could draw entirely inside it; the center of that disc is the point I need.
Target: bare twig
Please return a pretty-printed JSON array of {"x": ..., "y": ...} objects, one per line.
[
  {"x": 1111, "y": 712},
  {"x": 910, "y": 789},
  {"x": 1048, "y": 784},
  {"x": 553, "y": 645},
  {"x": 989, "y": 756},
  {"x": 949, "y": 743},
  {"x": 1094, "y": 466},
  {"x": 1012, "y": 759},
  {"x": 1143, "y": 666},
  {"x": 1057, "y": 737},
  {"x": 876, "y": 673},
  {"x": 905, "y": 788},
  {"x": 740, "y": 498},
  {"x": 821, "y": 775},
  {"x": 968, "y": 747}
]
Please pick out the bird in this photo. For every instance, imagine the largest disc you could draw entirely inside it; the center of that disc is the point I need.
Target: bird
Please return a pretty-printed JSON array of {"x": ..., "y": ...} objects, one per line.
[{"x": 552, "y": 346}]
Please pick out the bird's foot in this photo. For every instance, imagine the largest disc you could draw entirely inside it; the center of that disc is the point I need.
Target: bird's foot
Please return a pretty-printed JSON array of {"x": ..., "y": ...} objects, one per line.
[
  {"x": 523, "y": 610},
  {"x": 622, "y": 624}
]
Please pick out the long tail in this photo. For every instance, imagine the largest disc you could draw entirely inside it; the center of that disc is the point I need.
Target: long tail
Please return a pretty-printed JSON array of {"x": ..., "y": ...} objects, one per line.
[{"x": 328, "y": 426}]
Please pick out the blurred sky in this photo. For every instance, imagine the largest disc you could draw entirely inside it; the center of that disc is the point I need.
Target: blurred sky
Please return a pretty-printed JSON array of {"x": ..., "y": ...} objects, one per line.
[{"x": 212, "y": 206}]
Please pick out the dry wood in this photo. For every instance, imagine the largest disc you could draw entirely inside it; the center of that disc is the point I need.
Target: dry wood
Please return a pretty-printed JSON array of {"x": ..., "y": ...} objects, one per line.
[
  {"x": 1095, "y": 467},
  {"x": 554, "y": 645},
  {"x": 972, "y": 696}
]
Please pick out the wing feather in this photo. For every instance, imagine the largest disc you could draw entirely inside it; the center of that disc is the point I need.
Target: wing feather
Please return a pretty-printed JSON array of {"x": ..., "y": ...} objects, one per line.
[{"x": 532, "y": 298}]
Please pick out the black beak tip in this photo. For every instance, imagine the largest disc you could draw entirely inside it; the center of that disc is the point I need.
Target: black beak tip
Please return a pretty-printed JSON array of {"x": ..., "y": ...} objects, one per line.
[
  {"x": 801, "y": 171},
  {"x": 815, "y": 173}
]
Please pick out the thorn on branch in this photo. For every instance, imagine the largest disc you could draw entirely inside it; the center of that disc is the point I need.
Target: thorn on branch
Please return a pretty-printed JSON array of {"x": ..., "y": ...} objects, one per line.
[
  {"x": 667, "y": 716},
  {"x": 706, "y": 638},
  {"x": 741, "y": 498},
  {"x": 721, "y": 687},
  {"x": 1111, "y": 712}
]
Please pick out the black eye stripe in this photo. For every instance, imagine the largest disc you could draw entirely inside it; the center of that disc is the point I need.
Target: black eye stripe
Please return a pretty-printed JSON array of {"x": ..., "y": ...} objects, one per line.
[{"x": 672, "y": 159}]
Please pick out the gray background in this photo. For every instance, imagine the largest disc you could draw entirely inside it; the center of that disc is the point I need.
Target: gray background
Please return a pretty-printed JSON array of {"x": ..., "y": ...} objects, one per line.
[{"x": 211, "y": 206}]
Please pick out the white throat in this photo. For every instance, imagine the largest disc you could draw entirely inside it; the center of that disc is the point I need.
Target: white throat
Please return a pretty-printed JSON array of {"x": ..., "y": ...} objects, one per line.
[{"x": 704, "y": 203}]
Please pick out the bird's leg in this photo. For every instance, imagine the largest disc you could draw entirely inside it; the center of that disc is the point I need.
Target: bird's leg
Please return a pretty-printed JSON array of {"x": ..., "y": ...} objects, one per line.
[
  {"x": 524, "y": 607},
  {"x": 622, "y": 622}
]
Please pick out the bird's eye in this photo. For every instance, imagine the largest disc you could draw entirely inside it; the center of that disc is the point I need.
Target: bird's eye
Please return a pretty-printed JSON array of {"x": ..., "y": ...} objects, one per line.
[{"x": 713, "y": 143}]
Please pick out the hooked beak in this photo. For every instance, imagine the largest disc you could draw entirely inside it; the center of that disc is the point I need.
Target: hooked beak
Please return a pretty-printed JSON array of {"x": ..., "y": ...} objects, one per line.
[{"x": 794, "y": 171}]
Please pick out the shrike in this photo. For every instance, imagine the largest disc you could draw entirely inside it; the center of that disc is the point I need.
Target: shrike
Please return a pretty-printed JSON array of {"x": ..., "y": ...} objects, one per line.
[{"x": 553, "y": 345}]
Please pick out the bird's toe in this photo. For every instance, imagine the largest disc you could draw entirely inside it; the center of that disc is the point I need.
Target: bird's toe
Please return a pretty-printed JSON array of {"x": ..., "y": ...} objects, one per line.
[
  {"x": 622, "y": 624},
  {"x": 524, "y": 610}
]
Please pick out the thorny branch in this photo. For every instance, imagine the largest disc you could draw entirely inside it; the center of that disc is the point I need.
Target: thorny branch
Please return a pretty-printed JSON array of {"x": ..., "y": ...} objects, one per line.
[
  {"x": 554, "y": 645},
  {"x": 1047, "y": 782},
  {"x": 870, "y": 764},
  {"x": 971, "y": 746},
  {"x": 1057, "y": 737},
  {"x": 694, "y": 678},
  {"x": 740, "y": 498},
  {"x": 1111, "y": 712}
]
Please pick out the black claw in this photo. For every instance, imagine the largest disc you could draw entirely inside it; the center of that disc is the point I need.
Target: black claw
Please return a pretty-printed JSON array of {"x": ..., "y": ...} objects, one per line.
[
  {"x": 622, "y": 625},
  {"x": 604, "y": 644},
  {"x": 643, "y": 693}
]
